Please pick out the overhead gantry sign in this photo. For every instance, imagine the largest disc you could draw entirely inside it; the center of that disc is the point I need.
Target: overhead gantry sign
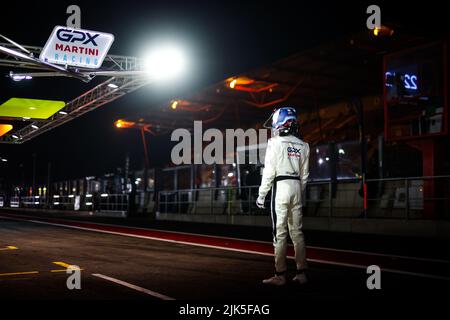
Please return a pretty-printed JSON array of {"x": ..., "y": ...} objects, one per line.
[{"x": 76, "y": 53}]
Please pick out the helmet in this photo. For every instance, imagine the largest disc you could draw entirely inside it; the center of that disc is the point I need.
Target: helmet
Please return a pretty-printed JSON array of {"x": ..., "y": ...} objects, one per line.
[{"x": 284, "y": 121}]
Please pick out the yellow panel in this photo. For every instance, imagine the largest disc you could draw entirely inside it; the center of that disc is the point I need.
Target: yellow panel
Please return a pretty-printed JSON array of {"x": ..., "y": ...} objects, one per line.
[
  {"x": 4, "y": 128},
  {"x": 30, "y": 108}
]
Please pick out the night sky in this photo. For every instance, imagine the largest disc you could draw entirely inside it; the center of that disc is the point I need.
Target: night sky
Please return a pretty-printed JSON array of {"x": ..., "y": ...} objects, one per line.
[{"x": 224, "y": 39}]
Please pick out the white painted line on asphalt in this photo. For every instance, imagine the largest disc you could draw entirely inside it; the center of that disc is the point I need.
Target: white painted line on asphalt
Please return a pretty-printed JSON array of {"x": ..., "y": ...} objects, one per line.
[
  {"x": 134, "y": 287},
  {"x": 368, "y": 253},
  {"x": 375, "y": 254},
  {"x": 329, "y": 262},
  {"x": 396, "y": 271},
  {"x": 143, "y": 237}
]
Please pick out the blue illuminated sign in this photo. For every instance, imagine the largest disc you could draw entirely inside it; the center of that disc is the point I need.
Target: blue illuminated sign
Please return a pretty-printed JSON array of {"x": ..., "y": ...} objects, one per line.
[{"x": 409, "y": 80}]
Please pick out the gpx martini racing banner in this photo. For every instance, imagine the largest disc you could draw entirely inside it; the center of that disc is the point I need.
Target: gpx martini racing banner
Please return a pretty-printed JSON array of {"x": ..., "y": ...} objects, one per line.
[{"x": 77, "y": 47}]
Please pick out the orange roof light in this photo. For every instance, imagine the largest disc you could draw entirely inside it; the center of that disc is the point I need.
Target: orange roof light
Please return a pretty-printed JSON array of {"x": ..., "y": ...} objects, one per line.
[
  {"x": 123, "y": 124},
  {"x": 4, "y": 128},
  {"x": 239, "y": 81},
  {"x": 174, "y": 104},
  {"x": 383, "y": 31}
]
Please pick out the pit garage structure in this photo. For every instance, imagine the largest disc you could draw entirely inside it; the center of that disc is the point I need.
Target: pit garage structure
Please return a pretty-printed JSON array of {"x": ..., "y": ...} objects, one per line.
[{"x": 388, "y": 92}]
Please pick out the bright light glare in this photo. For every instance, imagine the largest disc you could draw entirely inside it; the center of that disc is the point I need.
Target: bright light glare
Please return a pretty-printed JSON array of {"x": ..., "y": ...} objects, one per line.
[{"x": 166, "y": 63}]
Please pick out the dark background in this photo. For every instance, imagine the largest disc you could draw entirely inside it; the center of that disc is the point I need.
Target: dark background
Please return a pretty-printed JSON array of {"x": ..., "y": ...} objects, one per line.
[{"x": 223, "y": 38}]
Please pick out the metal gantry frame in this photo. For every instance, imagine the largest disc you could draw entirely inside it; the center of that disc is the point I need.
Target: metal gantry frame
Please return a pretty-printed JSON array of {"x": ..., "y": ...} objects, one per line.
[{"x": 124, "y": 74}]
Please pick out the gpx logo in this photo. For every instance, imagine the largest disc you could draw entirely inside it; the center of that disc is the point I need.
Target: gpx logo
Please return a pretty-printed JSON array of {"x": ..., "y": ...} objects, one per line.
[
  {"x": 292, "y": 149},
  {"x": 76, "y": 47},
  {"x": 293, "y": 152},
  {"x": 68, "y": 35}
]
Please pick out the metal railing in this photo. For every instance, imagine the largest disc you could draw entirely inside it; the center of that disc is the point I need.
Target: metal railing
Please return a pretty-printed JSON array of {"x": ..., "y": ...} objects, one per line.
[
  {"x": 114, "y": 202},
  {"x": 396, "y": 198},
  {"x": 409, "y": 198},
  {"x": 88, "y": 202}
]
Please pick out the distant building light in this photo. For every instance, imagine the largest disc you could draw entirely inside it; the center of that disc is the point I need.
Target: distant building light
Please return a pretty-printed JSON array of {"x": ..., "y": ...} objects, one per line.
[
  {"x": 4, "y": 160},
  {"x": 341, "y": 151},
  {"x": 231, "y": 174},
  {"x": 71, "y": 195},
  {"x": 35, "y": 127},
  {"x": 55, "y": 203},
  {"x": 89, "y": 195},
  {"x": 89, "y": 203},
  {"x": 21, "y": 77},
  {"x": 37, "y": 202},
  {"x": 36, "y": 197},
  {"x": 113, "y": 86},
  {"x": 317, "y": 150},
  {"x": 320, "y": 161},
  {"x": 104, "y": 195},
  {"x": 56, "y": 196},
  {"x": 327, "y": 159}
]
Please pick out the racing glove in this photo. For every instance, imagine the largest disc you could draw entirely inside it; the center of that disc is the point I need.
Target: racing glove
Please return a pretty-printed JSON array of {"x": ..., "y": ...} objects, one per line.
[{"x": 260, "y": 202}]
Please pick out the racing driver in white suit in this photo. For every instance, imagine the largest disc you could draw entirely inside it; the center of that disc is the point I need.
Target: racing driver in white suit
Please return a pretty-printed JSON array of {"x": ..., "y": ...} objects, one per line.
[{"x": 286, "y": 171}]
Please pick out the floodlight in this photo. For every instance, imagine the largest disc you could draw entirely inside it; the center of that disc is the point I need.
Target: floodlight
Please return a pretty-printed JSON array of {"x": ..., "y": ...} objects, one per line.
[{"x": 165, "y": 63}]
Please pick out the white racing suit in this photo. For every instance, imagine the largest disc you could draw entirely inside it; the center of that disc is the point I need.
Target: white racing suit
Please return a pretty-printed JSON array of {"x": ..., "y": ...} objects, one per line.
[{"x": 286, "y": 171}]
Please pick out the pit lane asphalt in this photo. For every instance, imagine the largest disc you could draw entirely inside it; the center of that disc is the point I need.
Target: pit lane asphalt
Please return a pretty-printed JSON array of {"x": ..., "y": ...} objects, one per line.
[{"x": 175, "y": 270}]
